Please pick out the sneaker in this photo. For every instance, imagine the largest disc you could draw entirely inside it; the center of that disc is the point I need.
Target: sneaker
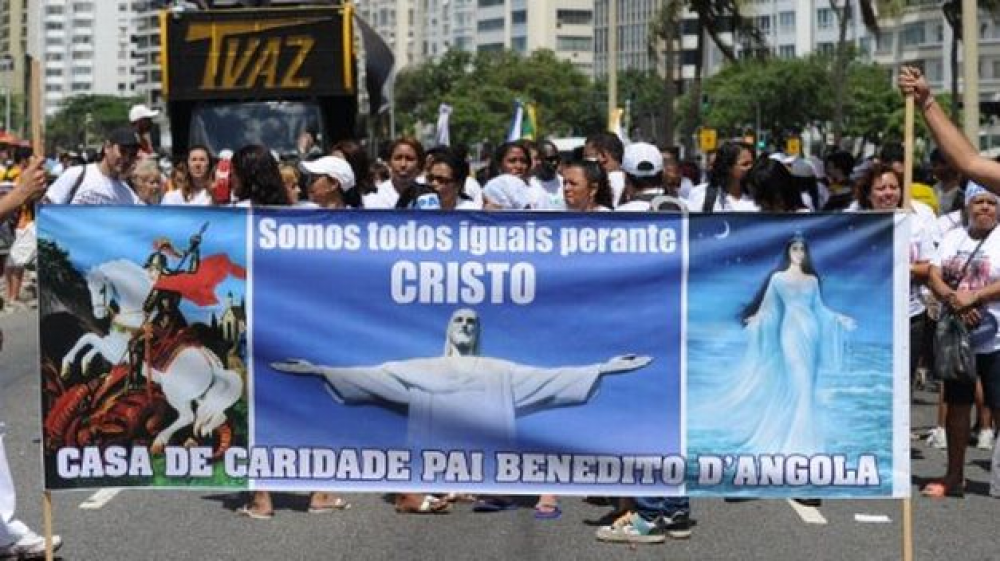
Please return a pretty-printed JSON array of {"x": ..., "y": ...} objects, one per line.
[
  {"x": 30, "y": 546},
  {"x": 677, "y": 526},
  {"x": 937, "y": 438},
  {"x": 985, "y": 440},
  {"x": 631, "y": 528}
]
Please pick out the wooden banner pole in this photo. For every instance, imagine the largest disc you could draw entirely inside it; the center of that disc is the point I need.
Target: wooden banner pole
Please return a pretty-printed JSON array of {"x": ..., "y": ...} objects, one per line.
[
  {"x": 908, "y": 154},
  {"x": 47, "y": 516},
  {"x": 908, "y": 205},
  {"x": 37, "y": 144}
]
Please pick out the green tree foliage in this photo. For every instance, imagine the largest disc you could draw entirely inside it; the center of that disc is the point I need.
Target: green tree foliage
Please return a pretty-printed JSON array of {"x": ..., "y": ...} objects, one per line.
[
  {"x": 788, "y": 92},
  {"x": 794, "y": 93},
  {"x": 71, "y": 127},
  {"x": 645, "y": 96},
  {"x": 482, "y": 87}
]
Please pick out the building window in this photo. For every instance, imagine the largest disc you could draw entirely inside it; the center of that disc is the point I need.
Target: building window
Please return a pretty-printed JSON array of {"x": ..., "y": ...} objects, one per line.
[
  {"x": 884, "y": 43},
  {"x": 786, "y": 22},
  {"x": 488, "y": 3},
  {"x": 912, "y": 34},
  {"x": 519, "y": 44},
  {"x": 490, "y": 47},
  {"x": 764, "y": 24},
  {"x": 495, "y": 24},
  {"x": 786, "y": 51},
  {"x": 520, "y": 16},
  {"x": 574, "y": 17},
  {"x": 824, "y": 18},
  {"x": 564, "y": 43}
]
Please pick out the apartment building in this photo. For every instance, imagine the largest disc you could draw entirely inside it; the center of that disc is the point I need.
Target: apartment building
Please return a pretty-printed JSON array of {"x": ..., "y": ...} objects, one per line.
[
  {"x": 13, "y": 60},
  {"x": 87, "y": 48},
  {"x": 421, "y": 30}
]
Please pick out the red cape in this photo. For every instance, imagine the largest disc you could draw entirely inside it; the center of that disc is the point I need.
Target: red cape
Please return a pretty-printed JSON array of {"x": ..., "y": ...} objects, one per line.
[{"x": 199, "y": 286}]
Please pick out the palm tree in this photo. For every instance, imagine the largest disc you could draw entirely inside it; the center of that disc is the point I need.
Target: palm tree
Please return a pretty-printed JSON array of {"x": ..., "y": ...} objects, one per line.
[
  {"x": 842, "y": 57},
  {"x": 714, "y": 18},
  {"x": 953, "y": 14}
]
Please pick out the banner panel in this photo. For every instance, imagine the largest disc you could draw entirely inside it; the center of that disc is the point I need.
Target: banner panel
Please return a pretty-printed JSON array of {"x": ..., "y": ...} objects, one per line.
[{"x": 616, "y": 354}]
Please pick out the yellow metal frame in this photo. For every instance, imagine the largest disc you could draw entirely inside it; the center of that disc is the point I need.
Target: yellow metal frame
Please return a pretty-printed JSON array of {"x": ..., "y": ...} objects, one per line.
[
  {"x": 348, "y": 38},
  {"x": 164, "y": 55}
]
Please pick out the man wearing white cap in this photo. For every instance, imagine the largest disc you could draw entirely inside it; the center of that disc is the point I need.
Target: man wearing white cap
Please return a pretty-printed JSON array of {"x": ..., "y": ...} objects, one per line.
[
  {"x": 643, "y": 166},
  {"x": 141, "y": 118},
  {"x": 329, "y": 178}
]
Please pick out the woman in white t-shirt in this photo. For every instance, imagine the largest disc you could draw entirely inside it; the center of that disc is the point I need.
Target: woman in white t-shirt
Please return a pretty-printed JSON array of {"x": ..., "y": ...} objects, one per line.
[
  {"x": 196, "y": 190},
  {"x": 586, "y": 187},
  {"x": 971, "y": 290},
  {"x": 725, "y": 189},
  {"x": 881, "y": 191},
  {"x": 406, "y": 157}
]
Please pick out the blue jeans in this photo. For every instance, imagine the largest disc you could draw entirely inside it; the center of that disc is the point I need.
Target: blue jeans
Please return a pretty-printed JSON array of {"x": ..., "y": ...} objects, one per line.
[{"x": 651, "y": 507}]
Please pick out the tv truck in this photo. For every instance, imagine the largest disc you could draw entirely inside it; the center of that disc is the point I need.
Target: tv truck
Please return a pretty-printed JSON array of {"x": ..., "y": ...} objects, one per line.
[{"x": 237, "y": 76}]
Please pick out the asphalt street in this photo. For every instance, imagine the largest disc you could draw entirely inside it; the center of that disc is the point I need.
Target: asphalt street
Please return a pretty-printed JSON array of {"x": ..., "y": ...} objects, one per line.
[{"x": 127, "y": 525}]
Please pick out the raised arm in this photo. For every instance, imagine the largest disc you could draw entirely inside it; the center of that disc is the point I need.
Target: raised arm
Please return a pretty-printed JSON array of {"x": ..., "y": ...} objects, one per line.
[{"x": 953, "y": 144}]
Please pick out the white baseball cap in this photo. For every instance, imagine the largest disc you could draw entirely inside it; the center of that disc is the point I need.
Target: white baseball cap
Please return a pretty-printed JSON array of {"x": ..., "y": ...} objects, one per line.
[
  {"x": 334, "y": 167},
  {"x": 141, "y": 112},
  {"x": 642, "y": 159}
]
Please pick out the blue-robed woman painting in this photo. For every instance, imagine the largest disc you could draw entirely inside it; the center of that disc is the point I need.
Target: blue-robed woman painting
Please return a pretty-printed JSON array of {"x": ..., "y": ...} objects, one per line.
[{"x": 769, "y": 405}]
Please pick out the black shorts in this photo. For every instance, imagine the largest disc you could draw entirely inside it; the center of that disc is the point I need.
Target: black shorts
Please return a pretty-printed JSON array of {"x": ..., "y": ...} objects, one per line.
[{"x": 988, "y": 369}]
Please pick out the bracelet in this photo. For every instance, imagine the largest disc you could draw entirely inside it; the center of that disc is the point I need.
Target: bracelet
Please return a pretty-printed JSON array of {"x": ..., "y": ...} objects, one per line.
[{"x": 928, "y": 103}]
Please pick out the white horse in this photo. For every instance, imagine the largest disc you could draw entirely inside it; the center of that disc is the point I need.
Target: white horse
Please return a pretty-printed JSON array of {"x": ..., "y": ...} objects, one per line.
[{"x": 194, "y": 375}]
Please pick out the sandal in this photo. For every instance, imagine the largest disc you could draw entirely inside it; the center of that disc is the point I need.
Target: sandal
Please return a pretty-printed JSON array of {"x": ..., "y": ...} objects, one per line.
[
  {"x": 338, "y": 504},
  {"x": 429, "y": 504},
  {"x": 939, "y": 490},
  {"x": 250, "y": 511},
  {"x": 547, "y": 511}
]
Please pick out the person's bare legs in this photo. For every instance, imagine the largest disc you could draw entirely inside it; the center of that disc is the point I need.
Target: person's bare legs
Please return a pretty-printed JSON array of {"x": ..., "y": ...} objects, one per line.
[
  {"x": 958, "y": 431},
  {"x": 15, "y": 278}
]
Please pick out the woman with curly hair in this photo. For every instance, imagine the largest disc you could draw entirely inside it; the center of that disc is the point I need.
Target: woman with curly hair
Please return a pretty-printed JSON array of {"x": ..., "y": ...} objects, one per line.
[{"x": 726, "y": 189}]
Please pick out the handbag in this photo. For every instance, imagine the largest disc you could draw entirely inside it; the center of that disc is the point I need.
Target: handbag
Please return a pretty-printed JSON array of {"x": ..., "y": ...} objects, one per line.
[{"x": 955, "y": 359}]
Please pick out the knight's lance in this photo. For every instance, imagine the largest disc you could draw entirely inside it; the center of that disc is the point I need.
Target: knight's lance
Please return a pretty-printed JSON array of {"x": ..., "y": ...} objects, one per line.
[{"x": 201, "y": 232}]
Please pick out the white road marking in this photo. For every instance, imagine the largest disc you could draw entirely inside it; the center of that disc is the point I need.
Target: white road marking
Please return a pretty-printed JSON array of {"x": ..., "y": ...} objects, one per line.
[
  {"x": 99, "y": 499},
  {"x": 808, "y": 514},
  {"x": 872, "y": 518}
]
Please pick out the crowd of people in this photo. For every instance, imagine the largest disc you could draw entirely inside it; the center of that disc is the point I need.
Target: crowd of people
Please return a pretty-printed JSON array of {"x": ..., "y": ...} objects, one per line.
[{"x": 954, "y": 217}]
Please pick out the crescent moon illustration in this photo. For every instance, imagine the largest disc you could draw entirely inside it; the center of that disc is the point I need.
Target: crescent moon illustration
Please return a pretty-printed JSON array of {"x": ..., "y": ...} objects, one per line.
[{"x": 725, "y": 233}]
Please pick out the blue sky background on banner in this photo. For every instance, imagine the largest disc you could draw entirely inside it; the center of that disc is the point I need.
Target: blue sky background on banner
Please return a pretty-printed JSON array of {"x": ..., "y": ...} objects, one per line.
[
  {"x": 851, "y": 252},
  {"x": 128, "y": 233},
  {"x": 586, "y": 311},
  {"x": 731, "y": 257}
]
